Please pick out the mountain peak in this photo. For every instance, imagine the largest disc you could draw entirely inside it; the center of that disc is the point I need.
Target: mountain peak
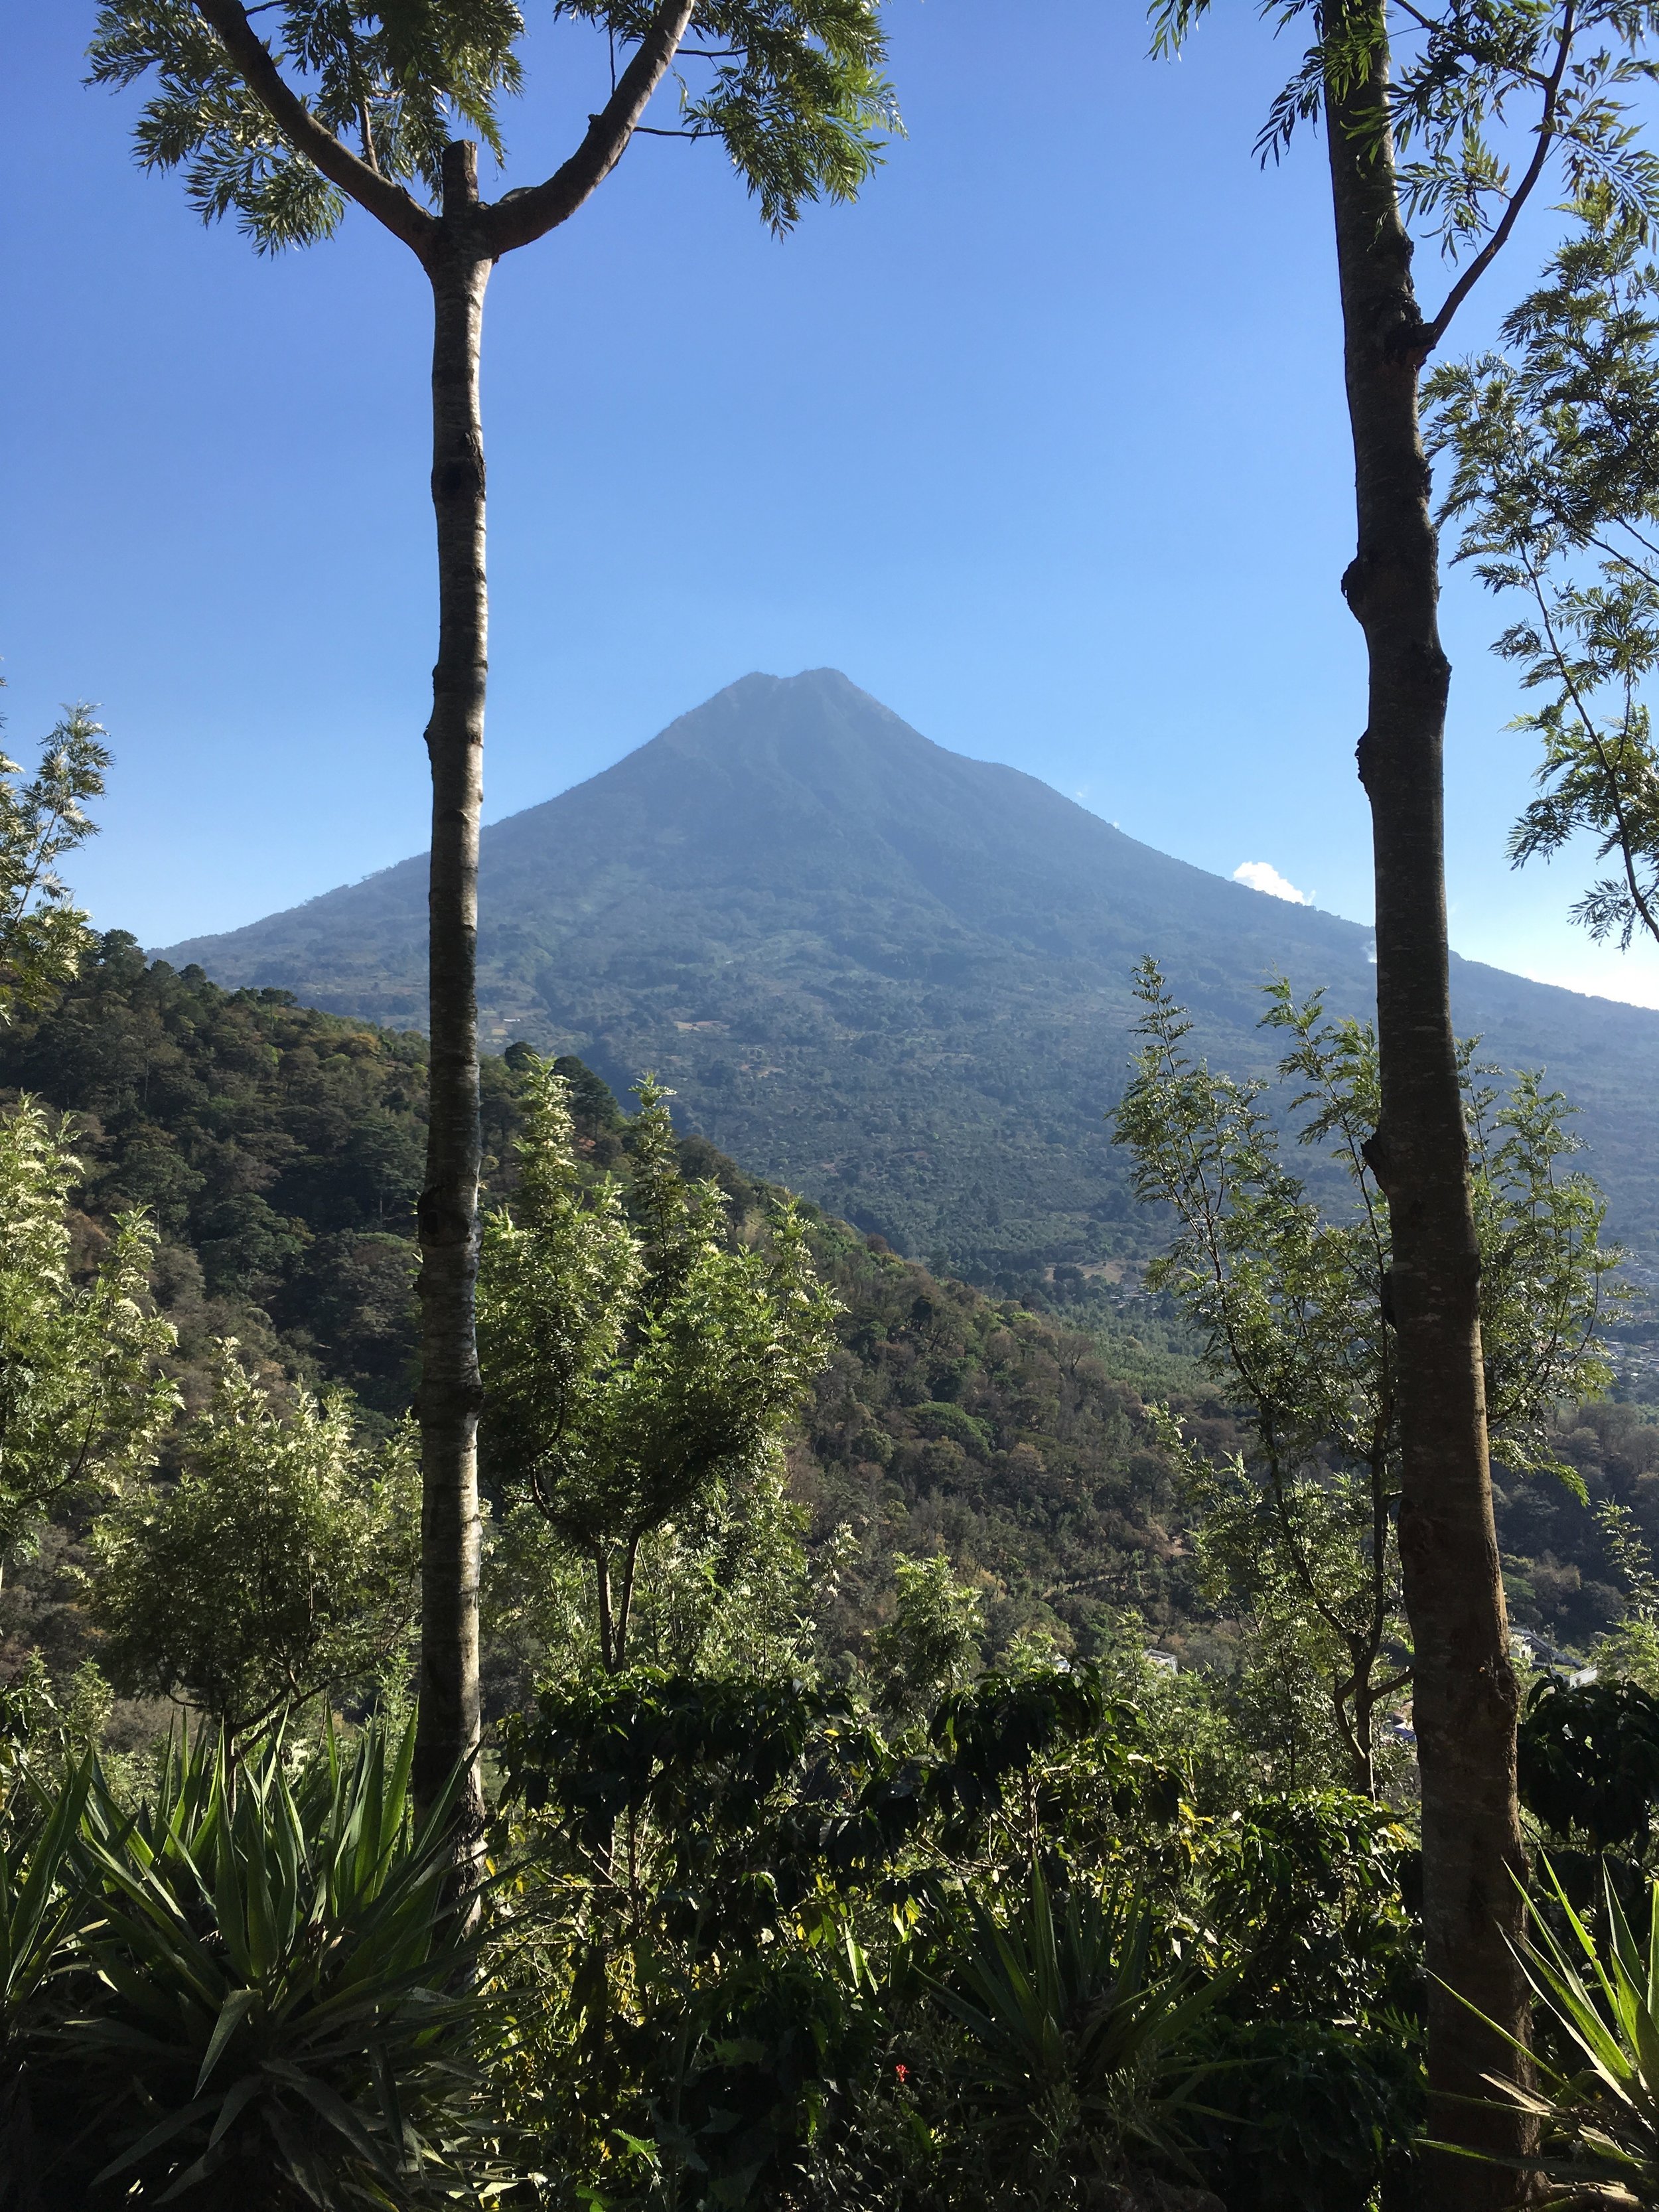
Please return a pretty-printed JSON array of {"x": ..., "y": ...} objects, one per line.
[
  {"x": 893, "y": 977},
  {"x": 776, "y": 719}
]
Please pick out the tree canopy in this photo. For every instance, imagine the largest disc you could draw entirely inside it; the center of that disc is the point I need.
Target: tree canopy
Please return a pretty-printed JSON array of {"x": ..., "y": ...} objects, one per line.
[
  {"x": 1295, "y": 1303},
  {"x": 278, "y": 1564},
  {"x": 43, "y": 937},
  {"x": 361, "y": 102}
]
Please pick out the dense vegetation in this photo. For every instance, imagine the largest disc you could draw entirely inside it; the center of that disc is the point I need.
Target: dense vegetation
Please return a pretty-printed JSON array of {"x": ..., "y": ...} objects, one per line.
[
  {"x": 775, "y": 1880},
  {"x": 829, "y": 1834},
  {"x": 806, "y": 1903},
  {"x": 278, "y": 1150}
]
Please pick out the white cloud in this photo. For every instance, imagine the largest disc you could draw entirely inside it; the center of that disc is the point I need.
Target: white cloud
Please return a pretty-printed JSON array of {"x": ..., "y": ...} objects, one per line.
[
  {"x": 1262, "y": 876},
  {"x": 1633, "y": 988}
]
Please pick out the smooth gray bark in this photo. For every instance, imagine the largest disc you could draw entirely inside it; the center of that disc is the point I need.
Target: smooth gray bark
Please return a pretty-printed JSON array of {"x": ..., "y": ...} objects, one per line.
[{"x": 450, "y": 1391}]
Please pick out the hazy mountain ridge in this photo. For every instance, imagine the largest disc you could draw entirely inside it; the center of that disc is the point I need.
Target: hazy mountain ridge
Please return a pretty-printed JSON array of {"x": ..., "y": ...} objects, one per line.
[{"x": 890, "y": 976}]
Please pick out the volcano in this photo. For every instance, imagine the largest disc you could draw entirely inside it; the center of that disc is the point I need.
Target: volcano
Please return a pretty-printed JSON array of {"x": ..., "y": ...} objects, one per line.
[{"x": 894, "y": 978}]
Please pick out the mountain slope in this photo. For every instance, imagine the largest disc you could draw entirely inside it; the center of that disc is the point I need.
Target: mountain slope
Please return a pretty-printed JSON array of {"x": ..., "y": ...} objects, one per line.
[{"x": 892, "y": 977}]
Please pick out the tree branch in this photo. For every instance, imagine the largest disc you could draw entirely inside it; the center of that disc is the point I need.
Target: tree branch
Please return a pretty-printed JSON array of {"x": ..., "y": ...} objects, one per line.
[
  {"x": 388, "y": 202},
  {"x": 1587, "y": 723},
  {"x": 1494, "y": 246},
  {"x": 518, "y": 218}
]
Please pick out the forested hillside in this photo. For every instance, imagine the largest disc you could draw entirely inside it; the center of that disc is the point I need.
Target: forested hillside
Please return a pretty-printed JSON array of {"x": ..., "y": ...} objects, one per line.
[{"x": 279, "y": 1149}]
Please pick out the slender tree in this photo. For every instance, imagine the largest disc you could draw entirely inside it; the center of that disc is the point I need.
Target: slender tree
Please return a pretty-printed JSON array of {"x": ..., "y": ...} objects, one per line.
[
  {"x": 635, "y": 1368},
  {"x": 1292, "y": 1300},
  {"x": 365, "y": 105},
  {"x": 1419, "y": 136}
]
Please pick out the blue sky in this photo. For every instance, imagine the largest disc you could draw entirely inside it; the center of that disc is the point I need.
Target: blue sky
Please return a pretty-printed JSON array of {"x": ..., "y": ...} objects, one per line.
[{"x": 1041, "y": 443}]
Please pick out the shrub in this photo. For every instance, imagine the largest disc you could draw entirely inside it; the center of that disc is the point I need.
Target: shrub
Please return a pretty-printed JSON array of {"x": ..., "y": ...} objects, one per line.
[
  {"x": 270, "y": 2016},
  {"x": 1597, "y": 2094},
  {"x": 1316, "y": 2115},
  {"x": 1078, "y": 2051}
]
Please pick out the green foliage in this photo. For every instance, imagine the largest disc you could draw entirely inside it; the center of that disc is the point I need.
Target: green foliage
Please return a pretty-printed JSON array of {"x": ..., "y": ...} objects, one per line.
[
  {"x": 1077, "y": 2049},
  {"x": 42, "y": 1905},
  {"x": 931, "y": 1644},
  {"x": 281, "y": 1563},
  {"x": 1555, "y": 485},
  {"x": 716, "y": 1997},
  {"x": 1548, "y": 1285},
  {"x": 1588, "y": 1757},
  {"x": 1005, "y": 1723},
  {"x": 1318, "y": 2091},
  {"x": 724, "y": 1590},
  {"x": 1597, "y": 2104},
  {"x": 1294, "y": 1304},
  {"x": 1319, "y": 2116},
  {"x": 1564, "y": 1571},
  {"x": 792, "y": 89},
  {"x": 790, "y": 1775},
  {"x": 628, "y": 1373},
  {"x": 1454, "y": 88},
  {"x": 723, "y": 1862},
  {"x": 1308, "y": 1887},
  {"x": 1629, "y": 1651},
  {"x": 278, "y": 1151},
  {"x": 1058, "y": 1509},
  {"x": 42, "y": 939},
  {"x": 273, "y": 1964},
  {"x": 83, "y": 1397},
  {"x": 1291, "y": 1305},
  {"x": 395, "y": 80}
]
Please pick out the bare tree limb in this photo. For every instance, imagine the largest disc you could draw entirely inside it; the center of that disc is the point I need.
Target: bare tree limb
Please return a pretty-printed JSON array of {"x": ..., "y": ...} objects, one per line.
[
  {"x": 1430, "y": 338},
  {"x": 520, "y": 218}
]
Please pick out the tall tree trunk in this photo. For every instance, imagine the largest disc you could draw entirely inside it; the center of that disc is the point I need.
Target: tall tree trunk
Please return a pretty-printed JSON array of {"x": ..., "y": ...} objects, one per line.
[
  {"x": 608, "y": 1658},
  {"x": 450, "y": 1393},
  {"x": 1360, "y": 1703},
  {"x": 625, "y": 1606},
  {"x": 1463, "y": 1691}
]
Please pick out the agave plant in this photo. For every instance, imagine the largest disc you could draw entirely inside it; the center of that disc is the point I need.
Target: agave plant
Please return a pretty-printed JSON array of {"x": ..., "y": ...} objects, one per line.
[
  {"x": 1073, "y": 2040},
  {"x": 274, "y": 2016},
  {"x": 1599, "y": 2120},
  {"x": 43, "y": 1900}
]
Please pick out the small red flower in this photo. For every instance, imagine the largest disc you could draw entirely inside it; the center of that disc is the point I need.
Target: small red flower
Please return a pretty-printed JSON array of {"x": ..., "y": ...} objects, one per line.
[{"x": 903, "y": 2073}]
